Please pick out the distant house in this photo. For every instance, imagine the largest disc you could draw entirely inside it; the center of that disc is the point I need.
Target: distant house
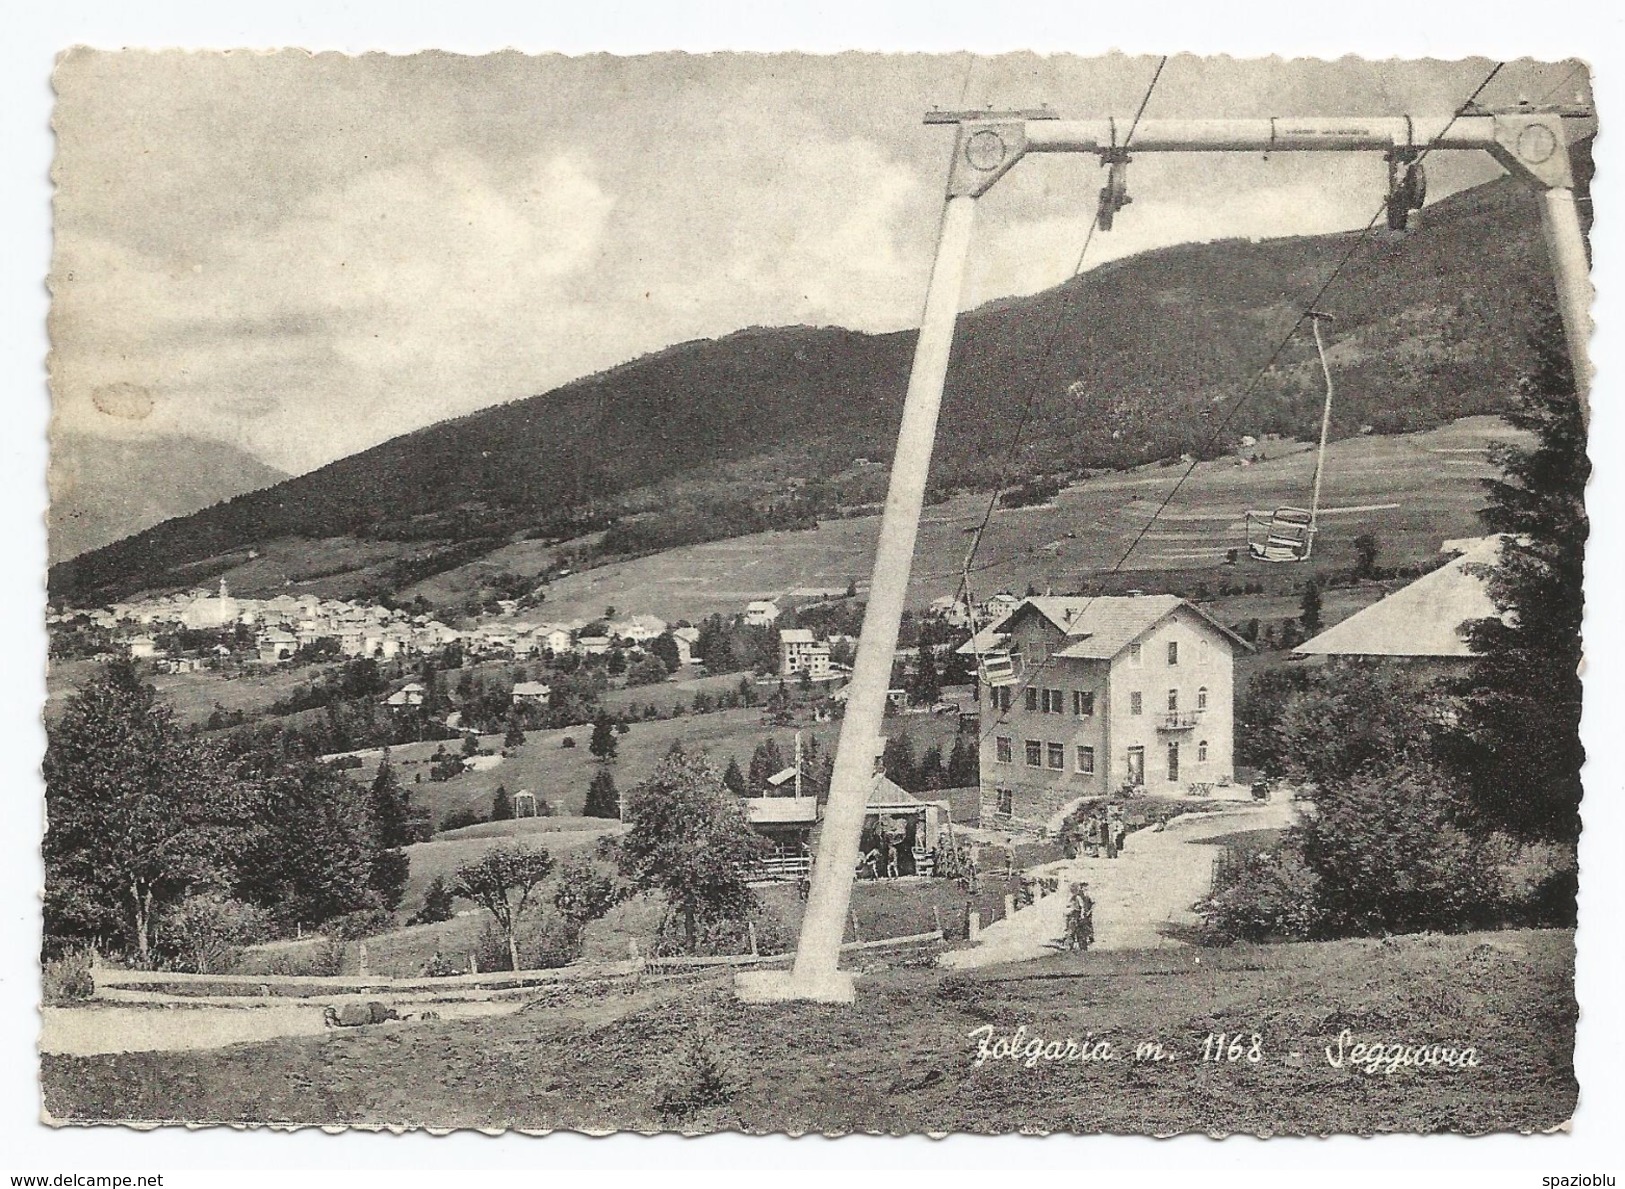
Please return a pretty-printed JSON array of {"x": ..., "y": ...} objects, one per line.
[
  {"x": 555, "y": 638},
  {"x": 638, "y": 628},
  {"x": 1107, "y": 693},
  {"x": 1000, "y": 605},
  {"x": 951, "y": 610},
  {"x": 532, "y": 693},
  {"x": 410, "y": 694},
  {"x": 277, "y": 645},
  {"x": 593, "y": 645},
  {"x": 1421, "y": 624},
  {"x": 141, "y": 647},
  {"x": 761, "y": 613},
  {"x": 686, "y": 639},
  {"x": 801, "y": 652}
]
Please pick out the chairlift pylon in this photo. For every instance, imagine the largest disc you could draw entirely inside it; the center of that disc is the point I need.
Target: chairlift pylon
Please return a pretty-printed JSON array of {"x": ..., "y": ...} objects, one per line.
[{"x": 1288, "y": 533}]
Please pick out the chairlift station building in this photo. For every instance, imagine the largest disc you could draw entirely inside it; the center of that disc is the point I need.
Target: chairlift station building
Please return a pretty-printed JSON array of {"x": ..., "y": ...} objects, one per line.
[{"x": 1104, "y": 693}]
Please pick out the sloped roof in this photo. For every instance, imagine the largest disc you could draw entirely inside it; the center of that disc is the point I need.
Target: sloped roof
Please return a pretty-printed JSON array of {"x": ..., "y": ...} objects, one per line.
[
  {"x": 1097, "y": 627},
  {"x": 796, "y": 636},
  {"x": 1423, "y": 619},
  {"x": 781, "y": 811}
]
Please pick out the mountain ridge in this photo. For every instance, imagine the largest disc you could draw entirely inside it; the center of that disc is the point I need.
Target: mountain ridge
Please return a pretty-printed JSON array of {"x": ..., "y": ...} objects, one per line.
[{"x": 1430, "y": 328}]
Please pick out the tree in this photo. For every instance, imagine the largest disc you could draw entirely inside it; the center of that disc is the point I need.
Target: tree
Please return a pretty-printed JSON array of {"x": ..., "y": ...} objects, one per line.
[
  {"x": 1309, "y": 607},
  {"x": 1329, "y": 726},
  {"x": 1518, "y": 744},
  {"x": 139, "y": 813},
  {"x": 926, "y": 687},
  {"x": 690, "y": 838},
  {"x": 471, "y": 744},
  {"x": 735, "y": 779},
  {"x": 585, "y": 892},
  {"x": 313, "y": 852},
  {"x": 604, "y": 744},
  {"x": 602, "y": 798},
  {"x": 647, "y": 670},
  {"x": 1366, "y": 549},
  {"x": 964, "y": 762},
  {"x": 437, "y": 903},
  {"x": 389, "y": 805},
  {"x": 664, "y": 646},
  {"x": 929, "y": 773},
  {"x": 515, "y": 736},
  {"x": 767, "y": 760},
  {"x": 897, "y": 762},
  {"x": 501, "y": 804},
  {"x": 502, "y": 881}
]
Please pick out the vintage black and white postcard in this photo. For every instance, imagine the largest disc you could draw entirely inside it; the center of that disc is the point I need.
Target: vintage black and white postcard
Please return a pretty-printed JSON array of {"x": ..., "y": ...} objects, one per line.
[{"x": 785, "y": 593}]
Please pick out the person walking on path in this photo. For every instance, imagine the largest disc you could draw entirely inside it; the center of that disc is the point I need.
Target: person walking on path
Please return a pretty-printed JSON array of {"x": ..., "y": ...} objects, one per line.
[{"x": 1080, "y": 919}]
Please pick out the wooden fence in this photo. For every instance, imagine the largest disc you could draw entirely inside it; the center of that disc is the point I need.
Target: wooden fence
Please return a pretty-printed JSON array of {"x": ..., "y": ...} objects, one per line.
[{"x": 147, "y": 986}]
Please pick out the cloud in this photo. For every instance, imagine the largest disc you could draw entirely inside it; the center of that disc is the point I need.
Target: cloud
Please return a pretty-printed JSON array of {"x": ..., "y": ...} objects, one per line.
[{"x": 386, "y": 302}]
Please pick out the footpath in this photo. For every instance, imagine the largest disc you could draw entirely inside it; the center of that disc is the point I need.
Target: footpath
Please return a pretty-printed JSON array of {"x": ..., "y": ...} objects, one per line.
[{"x": 1142, "y": 898}]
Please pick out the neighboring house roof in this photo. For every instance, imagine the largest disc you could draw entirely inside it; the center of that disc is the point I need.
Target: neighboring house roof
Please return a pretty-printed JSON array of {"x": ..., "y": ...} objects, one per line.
[
  {"x": 783, "y": 776},
  {"x": 1423, "y": 619},
  {"x": 781, "y": 811},
  {"x": 886, "y": 794},
  {"x": 1097, "y": 627},
  {"x": 796, "y": 636},
  {"x": 532, "y": 689}
]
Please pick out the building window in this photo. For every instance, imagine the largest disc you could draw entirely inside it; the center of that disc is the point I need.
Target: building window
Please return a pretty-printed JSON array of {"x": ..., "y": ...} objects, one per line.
[
  {"x": 1173, "y": 701},
  {"x": 1083, "y": 703},
  {"x": 1202, "y": 655},
  {"x": 1054, "y": 701},
  {"x": 1173, "y": 652},
  {"x": 1086, "y": 760},
  {"x": 1002, "y": 750},
  {"x": 1173, "y": 762},
  {"x": 1134, "y": 655},
  {"x": 1032, "y": 700},
  {"x": 1135, "y": 703},
  {"x": 1201, "y": 698},
  {"x": 1001, "y": 697},
  {"x": 1007, "y": 802},
  {"x": 1035, "y": 754},
  {"x": 1201, "y": 752},
  {"x": 1057, "y": 756}
]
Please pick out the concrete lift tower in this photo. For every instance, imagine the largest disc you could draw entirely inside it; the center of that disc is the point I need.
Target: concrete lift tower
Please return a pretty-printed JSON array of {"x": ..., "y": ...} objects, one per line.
[{"x": 1530, "y": 142}]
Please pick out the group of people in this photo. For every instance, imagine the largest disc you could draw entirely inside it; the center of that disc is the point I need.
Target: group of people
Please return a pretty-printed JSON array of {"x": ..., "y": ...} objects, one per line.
[
  {"x": 869, "y": 867},
  {"x": 1105, "y": 833}
]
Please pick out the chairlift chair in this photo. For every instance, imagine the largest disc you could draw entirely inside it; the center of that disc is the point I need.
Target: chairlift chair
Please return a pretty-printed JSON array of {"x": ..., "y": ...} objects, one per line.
[
  {"x": 997, "y": 669},
  {"x": 1288, "y": 533}
]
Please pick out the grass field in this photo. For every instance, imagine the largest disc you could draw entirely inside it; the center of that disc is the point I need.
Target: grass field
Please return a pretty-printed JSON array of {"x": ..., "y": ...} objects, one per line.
[
  {"x": 904, "y": 1058},
  {"x": 1412, "y": 491},
  {"x": 560, "y": 775}
]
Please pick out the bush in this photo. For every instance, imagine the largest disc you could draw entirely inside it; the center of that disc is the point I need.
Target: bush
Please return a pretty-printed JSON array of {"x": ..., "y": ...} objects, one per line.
[
  {"x": 702, "y": 1075},
  {"x": 363, "y": 923},
  {"x": 456, "y": 819},
  {"x": 203, "y": 933},
  {"x": 1261, "y": 895},
  {"x": 67, "y": 978},
  {"x": 1393, "y": 857}
]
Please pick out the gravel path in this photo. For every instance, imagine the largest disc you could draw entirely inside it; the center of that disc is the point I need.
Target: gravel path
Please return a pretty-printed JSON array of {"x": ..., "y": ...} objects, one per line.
[{"x": 1141, "y": 898}]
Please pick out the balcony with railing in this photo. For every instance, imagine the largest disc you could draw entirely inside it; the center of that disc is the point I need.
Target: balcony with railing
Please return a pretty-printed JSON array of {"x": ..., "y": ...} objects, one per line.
[{"x": 1180, "y": 720}]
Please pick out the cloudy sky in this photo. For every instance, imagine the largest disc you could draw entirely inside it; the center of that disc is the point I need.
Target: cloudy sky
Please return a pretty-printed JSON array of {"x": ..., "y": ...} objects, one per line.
[{"x": 304, "y": 256}]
